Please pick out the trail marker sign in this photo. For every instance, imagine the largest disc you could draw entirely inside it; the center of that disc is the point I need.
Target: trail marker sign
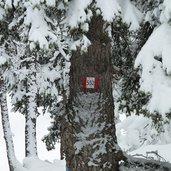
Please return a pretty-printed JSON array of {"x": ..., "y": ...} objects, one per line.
[{"x": 90, "y": 83}]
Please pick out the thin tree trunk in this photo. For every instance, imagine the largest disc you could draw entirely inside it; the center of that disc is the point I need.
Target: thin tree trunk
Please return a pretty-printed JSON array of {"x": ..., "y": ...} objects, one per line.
[
  {"x": 88, "y": 135},
  {"x": 30, "y": 129},
  {"x": 31, "y": 113},
  {"x": 6, "y": 128}
]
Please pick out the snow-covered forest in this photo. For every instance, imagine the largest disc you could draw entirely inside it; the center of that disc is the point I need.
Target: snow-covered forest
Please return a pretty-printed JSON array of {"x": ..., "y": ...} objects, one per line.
[{"x": 98, "y": 72}]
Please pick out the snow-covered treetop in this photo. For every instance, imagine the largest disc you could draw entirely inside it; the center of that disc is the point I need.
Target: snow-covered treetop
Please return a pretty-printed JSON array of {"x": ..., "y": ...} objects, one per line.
[
  {"x": 33, "y": 23},
  {"x": 39, "y": 31},
  {"x": 82, "y": 11},
  {"x": 79, "y": 14}
]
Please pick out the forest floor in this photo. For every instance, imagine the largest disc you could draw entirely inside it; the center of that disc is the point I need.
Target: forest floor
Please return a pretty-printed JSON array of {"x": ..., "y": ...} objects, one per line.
[{"x": 158, "y": 152}]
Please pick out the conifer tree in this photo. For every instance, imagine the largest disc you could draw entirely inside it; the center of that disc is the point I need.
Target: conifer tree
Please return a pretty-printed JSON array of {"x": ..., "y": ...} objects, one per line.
[
  {"x": 53, "y": 47},
  {"x": 155, "y": 62},
  {"x": 5, "y": 122},
  {"x": 4, "y": 66},
  {"x": 36, "y": 62}
]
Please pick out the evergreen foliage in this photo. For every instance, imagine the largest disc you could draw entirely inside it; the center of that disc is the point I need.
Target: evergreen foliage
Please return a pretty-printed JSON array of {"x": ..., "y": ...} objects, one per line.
[
  {"x": 38, "y": 42},
  {"x": 126, "y": 45}
]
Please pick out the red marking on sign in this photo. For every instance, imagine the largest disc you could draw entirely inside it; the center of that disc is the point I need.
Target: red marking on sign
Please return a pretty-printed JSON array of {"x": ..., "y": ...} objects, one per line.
[
  {"x": 84, "y": 83},
  {"x": 96, "y": 84}
]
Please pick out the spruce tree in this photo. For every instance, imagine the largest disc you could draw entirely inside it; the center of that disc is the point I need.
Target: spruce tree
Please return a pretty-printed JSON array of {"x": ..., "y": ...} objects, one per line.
[
  {"x": 86, "y": 125},
  {"x": 4, "y": 66},
  {"x": 37, "y": 57}
]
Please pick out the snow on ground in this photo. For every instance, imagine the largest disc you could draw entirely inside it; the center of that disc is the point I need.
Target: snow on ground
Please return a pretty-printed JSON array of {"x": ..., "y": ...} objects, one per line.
[
  {"x": 148, "y": 151},
  {"x": 136, "y": 134},
  {"x": 35, "y": 164},
  {"x": 133, "y": 127},
  {"x": 17, "y": 126}
]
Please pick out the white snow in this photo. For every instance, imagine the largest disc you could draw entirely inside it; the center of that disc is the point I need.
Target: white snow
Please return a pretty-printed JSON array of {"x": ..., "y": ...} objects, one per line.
[
  {"x": 2, "y": 12},
  {"x": 137, "y": 131},
  {"x": 167, "y": 10},
  {"x": 130, "y": 14},
  {"x": 3, "y": 60},
  {"x": 155, "y": 77},
  {"x": 129, "y": 128},
  {"x": 39, "y": 31},
  {"x": 36, "y": 2},
  {"x": 3, "y": 56},
  {"x": 17, "y": 126},
  {"x": 35, "y": 164},
  {"x": 76, "y": 13},
  {"x": 51, "y": 2},
  {"x": 130, "y": 132},
  {"x": 8, "y": 4},
  {"x": 88, "y": 104},
  {"x": 83, "y": 42},
  {"x": 109, "y": 9},
  {"x": 137, "y": 136},
  {"x": 162, "y": 150}
]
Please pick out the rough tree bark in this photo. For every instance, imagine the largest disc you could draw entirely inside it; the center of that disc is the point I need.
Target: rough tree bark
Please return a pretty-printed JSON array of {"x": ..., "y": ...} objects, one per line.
[
  {"x": 30, "y": 128},
  {"x": 6, "y": 127},
  {"x": 88, "y": 131},
  {"x": 31, "y": 110}
]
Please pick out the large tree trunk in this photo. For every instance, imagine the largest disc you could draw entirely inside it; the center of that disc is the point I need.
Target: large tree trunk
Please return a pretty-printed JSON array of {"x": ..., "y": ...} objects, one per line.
[
  {"x": 6, "y": 128},
  {"x": 88, "y": 135}
]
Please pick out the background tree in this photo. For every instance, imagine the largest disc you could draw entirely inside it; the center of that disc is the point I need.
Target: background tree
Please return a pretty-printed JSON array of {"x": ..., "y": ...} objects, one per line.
[
  {"x": 157, "y": 70},
  {"x": 36, "y": 58},
  {"x": 49, "y": 39},
  {"x": 5, "y": 121},
  {"x": 127, "y": 43},
  {"x": 4, "y": 65}
]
